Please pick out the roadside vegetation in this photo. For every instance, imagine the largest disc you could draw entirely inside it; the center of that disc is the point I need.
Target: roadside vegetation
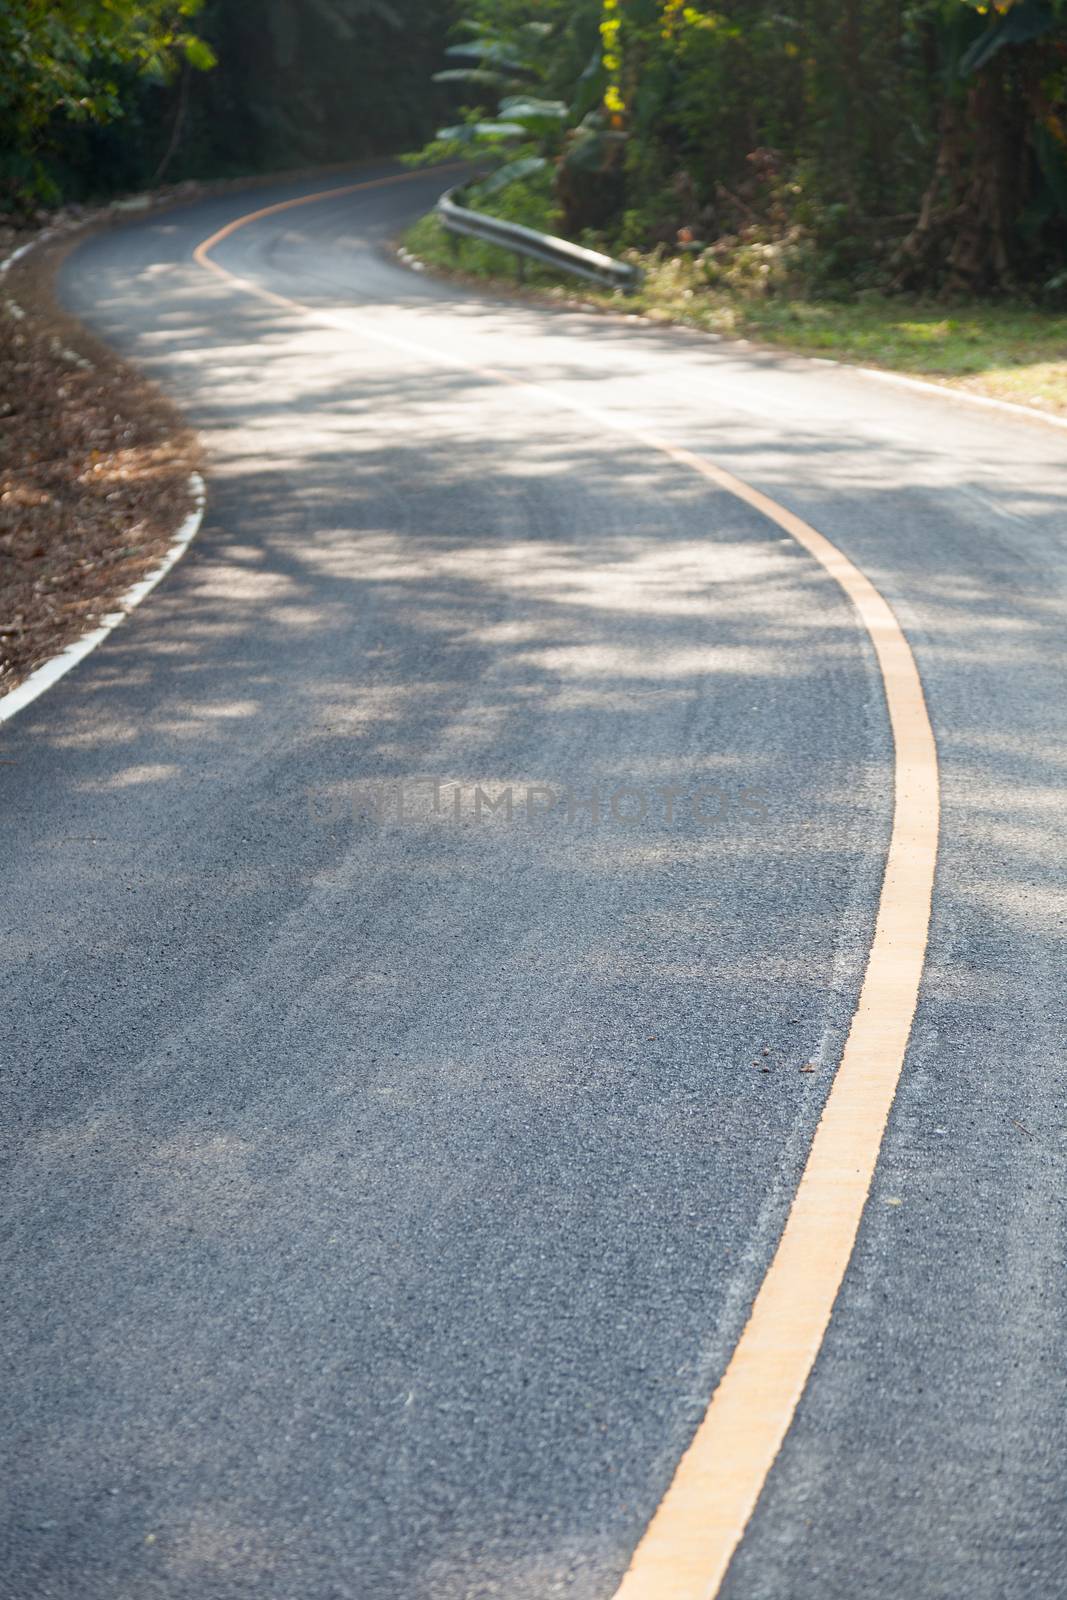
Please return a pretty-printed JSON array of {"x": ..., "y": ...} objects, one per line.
[
  {"x": 872, "y": 181},
  {"x": 100, "y": 97},
  {"x": 1002, "y": 349}
]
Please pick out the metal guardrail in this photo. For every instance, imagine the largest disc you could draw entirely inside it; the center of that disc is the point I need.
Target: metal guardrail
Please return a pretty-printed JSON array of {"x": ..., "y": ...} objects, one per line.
[{"x": 528, "y": 243}]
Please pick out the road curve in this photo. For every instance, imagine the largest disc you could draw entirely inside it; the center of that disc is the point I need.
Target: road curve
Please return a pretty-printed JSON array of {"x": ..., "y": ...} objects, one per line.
[{"x": 388, "y": 1193}]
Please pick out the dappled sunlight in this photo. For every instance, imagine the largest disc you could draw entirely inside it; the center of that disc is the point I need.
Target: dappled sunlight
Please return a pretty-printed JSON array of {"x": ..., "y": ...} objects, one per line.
[
  {"x": 198, "y": 1181},
  {"x": 574, "y": 697},
  {"x": 483, "y": 775},
  {"x": 607, "y": 661},
  {"x": 563, "y": 616},
  {"x": 230, "y": 708},
  {"x": 155, "y": 772},
  {"x": 215, "y": 1542}
]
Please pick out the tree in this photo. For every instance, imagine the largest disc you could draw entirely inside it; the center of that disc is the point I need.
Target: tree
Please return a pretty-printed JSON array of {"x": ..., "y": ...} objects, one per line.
[
  {"x": 64, "y": 59},
  {"x": 995, "y": 205},
  {"x": 921, "y": 142}
]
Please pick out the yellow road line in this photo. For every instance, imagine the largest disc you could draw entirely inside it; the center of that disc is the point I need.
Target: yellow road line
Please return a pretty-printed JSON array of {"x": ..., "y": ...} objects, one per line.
[
  {"x": 688, "y": 1545},
  {"x": 690, "y": 1541},
  {"x": 200, "y": 254}
]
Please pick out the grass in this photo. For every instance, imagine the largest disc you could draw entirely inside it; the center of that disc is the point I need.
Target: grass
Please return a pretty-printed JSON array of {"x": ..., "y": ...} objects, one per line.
[{"x": 1005, "y": 350}]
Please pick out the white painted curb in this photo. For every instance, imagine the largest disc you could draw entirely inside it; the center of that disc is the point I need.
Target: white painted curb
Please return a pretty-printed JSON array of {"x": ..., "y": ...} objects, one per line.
[
  {"x": 51, "y": 672},
  {"x": 24, "y": 249},
  {"x": 45, "y": 676}
]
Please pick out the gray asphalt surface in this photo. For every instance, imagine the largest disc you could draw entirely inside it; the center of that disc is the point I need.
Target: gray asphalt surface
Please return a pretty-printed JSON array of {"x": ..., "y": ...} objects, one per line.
[{"x": 384, "y": 1196}]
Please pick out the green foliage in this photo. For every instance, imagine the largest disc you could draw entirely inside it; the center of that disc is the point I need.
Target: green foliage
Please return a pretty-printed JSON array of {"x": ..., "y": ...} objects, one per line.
[
  {"x": 1014, "y": 352},
  {"x": 303, "y": 82},
  {"x": 68, "y": 60},
  {"x": 524, "y": 199},
  {"x": 552, "y": 76},
  {"x": 103, "y": 95},
  {"x": 512, "y": 172},
  {"x": 840, "y": 144},
  {"x": 1016, "y": 24},
  {"x": 61, "y": 55}
]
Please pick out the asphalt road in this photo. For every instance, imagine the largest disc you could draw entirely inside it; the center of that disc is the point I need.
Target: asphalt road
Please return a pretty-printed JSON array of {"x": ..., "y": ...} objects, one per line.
[{"x": 385, "y": 1194}]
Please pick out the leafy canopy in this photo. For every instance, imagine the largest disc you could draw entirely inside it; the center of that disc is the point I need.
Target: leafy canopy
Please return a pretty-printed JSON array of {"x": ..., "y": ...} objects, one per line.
[{"x": 63, "y": 58}]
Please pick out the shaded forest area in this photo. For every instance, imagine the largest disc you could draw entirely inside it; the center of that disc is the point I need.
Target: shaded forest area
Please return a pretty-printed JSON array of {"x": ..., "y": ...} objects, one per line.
[
  {"x": 836, "y": 143},
  {"x": 103, "y": 96},
  {"x": 871, "y": 143}
]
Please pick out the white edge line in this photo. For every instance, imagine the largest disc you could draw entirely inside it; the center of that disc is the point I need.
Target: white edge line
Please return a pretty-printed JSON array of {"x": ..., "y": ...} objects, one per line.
[
  {"x": 45, "y": 676},
  {"x": 928, "y": 387},
  {"x": 903, "y": 379}
]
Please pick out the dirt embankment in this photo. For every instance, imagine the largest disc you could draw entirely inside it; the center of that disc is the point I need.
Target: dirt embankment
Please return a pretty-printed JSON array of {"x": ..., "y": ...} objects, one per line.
[{"x": 94, "y": 469}]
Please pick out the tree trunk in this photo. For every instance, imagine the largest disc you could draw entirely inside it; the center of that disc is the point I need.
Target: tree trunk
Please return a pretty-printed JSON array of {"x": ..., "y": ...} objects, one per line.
[
  {"x": 176, "y": 129},
  {"x": 961, "y": 241},
  {"x": 980, "y": 255}
]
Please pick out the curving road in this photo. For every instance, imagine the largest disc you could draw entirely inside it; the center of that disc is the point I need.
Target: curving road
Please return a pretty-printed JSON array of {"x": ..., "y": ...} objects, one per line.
[{"x": 386, "y": 1193}]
